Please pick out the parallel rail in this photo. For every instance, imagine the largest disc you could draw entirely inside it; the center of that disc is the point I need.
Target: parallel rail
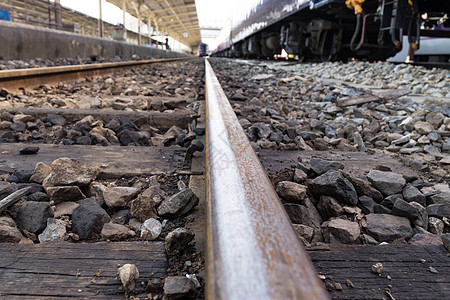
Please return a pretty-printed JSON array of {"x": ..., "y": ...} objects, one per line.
[
  {"x": 253, "y": 251},
  {"x": 13, "y": 80}
]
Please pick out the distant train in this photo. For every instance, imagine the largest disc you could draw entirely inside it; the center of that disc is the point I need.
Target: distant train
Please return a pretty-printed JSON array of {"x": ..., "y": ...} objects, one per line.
[
  {"x": 333, "y": 29},
  {"x": 202, "y": 49}
]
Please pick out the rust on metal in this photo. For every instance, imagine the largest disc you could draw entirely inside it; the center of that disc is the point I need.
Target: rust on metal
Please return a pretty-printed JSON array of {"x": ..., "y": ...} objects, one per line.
[
  {"x": 253, "y": 251},
  {"x": 13, "y": 80}
]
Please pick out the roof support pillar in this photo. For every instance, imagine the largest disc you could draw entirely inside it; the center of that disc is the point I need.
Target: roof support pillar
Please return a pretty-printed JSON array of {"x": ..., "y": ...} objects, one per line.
[
  {"x": 58, "y": 18},
  {"x": 124, "y": 10},
  {"x": 100, "y": 19},
  {"x": 149, "y": 25}
]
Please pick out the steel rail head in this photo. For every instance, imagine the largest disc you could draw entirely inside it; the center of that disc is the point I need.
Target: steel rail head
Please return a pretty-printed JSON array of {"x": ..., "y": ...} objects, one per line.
[{"x": 253, "y": 251}]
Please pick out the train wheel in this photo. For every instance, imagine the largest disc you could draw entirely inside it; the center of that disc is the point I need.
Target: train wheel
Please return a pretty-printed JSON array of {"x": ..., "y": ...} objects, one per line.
[{"x": 329, "y": 46}]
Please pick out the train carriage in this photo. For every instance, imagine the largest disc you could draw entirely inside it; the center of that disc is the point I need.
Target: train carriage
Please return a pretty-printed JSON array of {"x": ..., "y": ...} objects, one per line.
[{"x": 334, "y": 29}]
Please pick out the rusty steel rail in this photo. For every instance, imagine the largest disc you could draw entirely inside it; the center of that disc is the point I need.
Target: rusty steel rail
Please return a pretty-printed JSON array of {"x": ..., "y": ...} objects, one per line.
[
  {"x": 13, "y": 80},
  {"x": 252, "y": 249}
]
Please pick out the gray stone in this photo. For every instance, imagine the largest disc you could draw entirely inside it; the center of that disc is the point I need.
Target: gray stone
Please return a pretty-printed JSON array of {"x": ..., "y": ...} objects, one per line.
[
  {"x": 291, "y": 192},
  {"x": 39, "y": 197},
  {"x": 423, "y": 127},
  {"x": 390, "y": 200},
  {"x": 402, "y": 208},
  {"x": 151, "y": 229},
  {"x": 363, "y": 187},
  {"x": 304, "y": 231},
  {"x": 380, "y": 209},
  {"x": 425, "y": 239},
  {"x": 412, "y": 194},
  {"x": 179, "y": 204},
  {"x": 334, "y": 184},
  {"x": 439, "y": 210},
  {"x": 299, "y": 214},
  {"x": 446, "y": 241},
  {"x": 388, "y": 183},
  {"x": 65, "y": 209},
  {"x": 366, "y": 204},
  {"x": 88, "y": 219},
  {"x": 387, "y": 228},
  {"x": 328, "y": 207},
  {"x": 56, "y": 119},
  {"x": 341, "y": 231},
  {"x": 121, "y": 217},
  {"x": 435, "y": 225},
  {"x": 177, "y": 240},
  {"x": 401, "y": 141},
  {"x": 41, "y": 171},
  {"x": 178, "y": 287},
  {"x": 432, "y": 150},
  {"x": 422, "y": 220},
  {"x": 320, "y": 166},
  {"x": 66, "y": 171},
  {"x": 9, "y": 233},
  {"x": 54, "y": 232},
  {"x": 65, "y": 193},
  {"x": 116, "y": 232},
  {"x": 119, "y": 196},
  {"x": 155, "y": 192},
  {"x": 315, "y": 217},
  {"x": 299, "y": 175},
  {"x": 435, "y": 118},
  {"x": 32, "y": 216}
]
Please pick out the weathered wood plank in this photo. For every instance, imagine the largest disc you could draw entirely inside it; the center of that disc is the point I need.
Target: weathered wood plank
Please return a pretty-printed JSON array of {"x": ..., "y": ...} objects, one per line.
[
  {"x": 356, "y": 163},
  {"x": 410, "y": 277},
  {"x": 114, "y": 161},
  {"x": 66, "y": 270}
]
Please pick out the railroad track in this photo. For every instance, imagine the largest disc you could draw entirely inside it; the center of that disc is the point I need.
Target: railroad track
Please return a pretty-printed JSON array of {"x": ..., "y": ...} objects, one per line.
[{"x": 153, "y": 120}]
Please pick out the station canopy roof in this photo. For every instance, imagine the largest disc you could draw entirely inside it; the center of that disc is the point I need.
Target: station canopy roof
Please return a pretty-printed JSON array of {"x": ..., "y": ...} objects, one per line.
[{"x": 177, "y": 18}]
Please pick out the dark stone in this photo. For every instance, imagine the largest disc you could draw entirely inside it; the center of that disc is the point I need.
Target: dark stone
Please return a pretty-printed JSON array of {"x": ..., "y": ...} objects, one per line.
[
  {"x": 199, "y": 131},
  {"x": 299, "y": 214},
  {"x": 380, "y": 209},
  {"x": 18, "y": 126},
  {"x": 387, "y": 228},
  {"x": 83, "y": 128},
  {"x": 179, "y": 287},
  {"x": 440, "y": 198},
  {"x": 24, "y": 175},
  {"x": 39, "y": 197},
  {"x": 83, "y": 140},
  {"x": 32, "y": 216},
  {"x": 177, "y": 240},
  {"x": 335, "y": 185},
  {"x": 412, "y": 194},
  {"x": 121, "y": 217},
  {"x": 55, "y": 119},
  {"x": 29, "y": 150},
  {"x": 439, "y": 210},
  {"x": 7, "y": 188},
  {"x": 88, "y": 219},
  {"x": 366, "y": 204},
  {"x": 143, "y": 208},
  {"x": 65, "y": 193},
  {"x": 319, "y": 166},
  {"x": 363, "y": 188},
  {"x": 390, "y": 200},
  {"x": 328, "y": 207},
  {"x": 404, "y": 209},
  {"x": 388, "y": 183},
  {"x": 128, "y": 137},
  {"x": 179, "y": 204}
]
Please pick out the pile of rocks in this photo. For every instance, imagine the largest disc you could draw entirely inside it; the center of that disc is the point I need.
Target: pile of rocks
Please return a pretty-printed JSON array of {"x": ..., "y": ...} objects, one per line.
[
  {"x": 65, "y": 202},
  {"x": 56, "y": 129},
  {"x": 289, "y": 109},
  {"x": 329, "y": 205},
  {"x": 180, "y": 79},
  {"x": 41, "y": 63}
]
